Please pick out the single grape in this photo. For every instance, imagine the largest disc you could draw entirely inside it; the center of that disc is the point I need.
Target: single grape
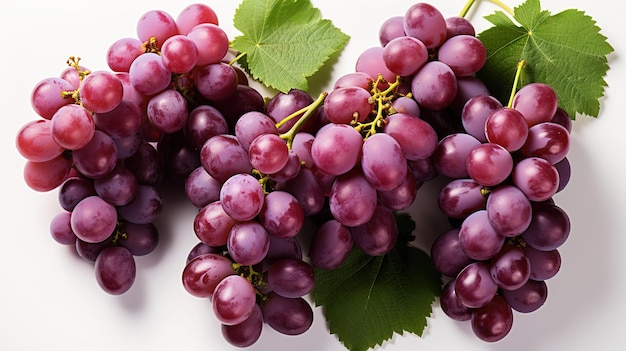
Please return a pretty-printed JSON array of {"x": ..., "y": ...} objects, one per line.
[
  {"x": 212, "y": 224},
  {"x": 510, "y": 268},
  {"x": 401, "y": 197},
  {"x": 537, "y": 102},
  {"x": 247, "y": 332},
  {"x": 268, "y": 153},
  {"x": 201, "y": 274},
  {"x": 115, "y": 270},
  {"x": 201, "y": 188},
  {"x": 447, "y": 253},
  {"x": 248, "y": 242},
  {"x": 474, "y": 286},
  {"x": 242, "y": 197},
  {"x": 193, "y": 15},
  {"x": 352, "y": 199},
  {"x": 489, "y": 164},
  {"x": 216, "y": 81},
  {"x": 233, "y": 300},
  {"x": 434, "y": 86},
  {"x": 179, "y": 54},
  {"x": 536, "y": 177},
  {"x": 475, "y": 113},
  {"x": 222, "y": 157},
  {"x": 529, "y": 298},
  {"x": 145, "y": 207},
  {"x": 61, "y": 229},
  {"x": 72, "y": 127},
  {"x": 93, "y": 219},
  {"x": 148, "y": 75},
  {"x": 289, "y": 316},
  {"x": 123, "y": 121},
  {"x": 211, "y": 42},
  {"x": 549, "y": 227},
  {"x": 383, "y": 162},
  {"x": 478, "y": 238},
  {"x": 461, "y": 197},
  {"x": 335, "y": 137},
  {"x": 118, "y": 187},
  {"x": 424, "y": 22},
  {"x": 282, "y": 215},
  {"x": 140, "y": 239},
  {"x": 464, "y": 54},
  {"x": 101, "y": 91},
  {"x": 371, "y": 62},
  {"x": 452, "y": 305},
  {"x": 47, "y": 96},
  {"x": 47, "y": 175},
  {"x": 330, "y": 245},
  {"x": 457, "y": 25},
  {"x": 547, "y": 140},
  {"x": 289, "y": 277},
  {"x": 378, "y": 235},
  {"x": 493, "y": 321},
  {"x": 507, "y": 127},
  {"x": 405, "y": 55},
  {"x": 509, "y": 210},
  {"x": 347, "y": 104},
  {"x": 543, "y": 264},
  {"x": 390, "y": 29},
  {"x": 122, "y": 53},
  {"x": 417, "y": 138},
  {"x": 35, "y": 141}
]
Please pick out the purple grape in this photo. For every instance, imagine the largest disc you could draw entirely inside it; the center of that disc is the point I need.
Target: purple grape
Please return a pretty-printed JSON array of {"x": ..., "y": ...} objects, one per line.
[
  {"x": 507, "y": 127},
  {"x": 493, "y": 321},
  {"x": 537, "y": 178},
  {"x": 211, "y": 42},
  {"x": 474, "y": 286},
  {"x": 144, "y": 208},
  {"x": 547, "y": 140},
  {"x": 417, "y": 138},
  {"x": 390, "y": 29},
  {"x": 352, "y": 199},
  {"x": 73, "y": 190},
  {"x": 452, "y": 305},
  {"x": 233, "y": 300},
  {"x": 478, "y": 238},
  {"x": 140, "y": 239},
  {"x": 434, "y": 86},
  {"x": 475, "y": 113},
  {"x": 378, "y": 235},
  {"x": 222, "y": 157},
  {"x": 461, "y": 197},
  {"x": 543, "y": 264},
  {"x": 529, "y": 298},
  {"x": 537, "y": 102},
  {"x": 509, "y": 210},
  {"x": 93, "y": 219},
  {"x": 450, "y": 156},
  {"x": 118, "y": 187},
  {"x": 489, "y": 164},
  {"x": 549, "y": 227},
  {"x": 510, "y": 268},
  {"x": 382, "y": 162},
  {"x": 282, "y": 215},
  {"x": 289, "y": 277},
  {"x": 424, "y": 22},
  {"x": 247, "y": 332},
  {"x": 242, "y": 197},
  {"x": 204, "y": 272},
  {"x": 212, "y": 224},
  {"x": 115, "y": 270},
  {"x": 330, "y": 245},
  {"x": 289, "y": 316},
  {"x": 464, "y": 54},
  {"x": 448, "y": 255},
  {"x": 61, "y": 229},
  {"x": 248, "y": 242},
  {"x": 331, "y": 138}
]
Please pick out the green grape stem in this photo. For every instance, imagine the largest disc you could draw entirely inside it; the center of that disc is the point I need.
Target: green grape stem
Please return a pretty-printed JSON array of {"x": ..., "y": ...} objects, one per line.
[
  {"x": 502, "y": 5},
  {"x": 383, "y": 100},
  {"x": 306, "y": 112},
  {"x": 518, "y": 73},
  {"x": 257, "y": 279}
]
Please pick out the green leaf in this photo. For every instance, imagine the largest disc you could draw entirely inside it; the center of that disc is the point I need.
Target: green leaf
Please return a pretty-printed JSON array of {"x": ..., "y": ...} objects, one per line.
[
  {"x": 368, "y": 299},
  {"x": 285, "y": 41},
  {"x": 565, "y": 51}
]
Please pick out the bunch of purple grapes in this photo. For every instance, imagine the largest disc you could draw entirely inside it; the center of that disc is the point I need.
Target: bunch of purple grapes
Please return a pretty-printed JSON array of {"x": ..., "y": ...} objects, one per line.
[{"x": 504, "y": 164}]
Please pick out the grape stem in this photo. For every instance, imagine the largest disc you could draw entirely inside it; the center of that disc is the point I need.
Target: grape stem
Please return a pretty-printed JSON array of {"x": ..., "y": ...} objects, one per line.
[
  {"x": 257, "y": 279},
  {"x": 501, "y": 4},
  {"x": 306, "y": 112},
  {"x": 518, "y": 73},
  {"x": 382, "y": 99}
]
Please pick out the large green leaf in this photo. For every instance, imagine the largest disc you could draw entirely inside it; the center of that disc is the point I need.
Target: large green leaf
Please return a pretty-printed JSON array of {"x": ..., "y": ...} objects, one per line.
[
  {"x": 565, "y": 50},
  {"x": 368, "y": 299},
  {"x": 284, "y": 41}
]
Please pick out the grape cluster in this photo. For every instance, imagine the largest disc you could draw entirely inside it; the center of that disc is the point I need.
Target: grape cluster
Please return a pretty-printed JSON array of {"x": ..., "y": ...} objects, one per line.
[
  {"x": 503, "y": 164},
  {"x": 292, "y": 183}
]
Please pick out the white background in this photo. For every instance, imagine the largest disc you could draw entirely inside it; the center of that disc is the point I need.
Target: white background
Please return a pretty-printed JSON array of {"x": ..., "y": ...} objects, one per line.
[{"x": 49, "y": 299}]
